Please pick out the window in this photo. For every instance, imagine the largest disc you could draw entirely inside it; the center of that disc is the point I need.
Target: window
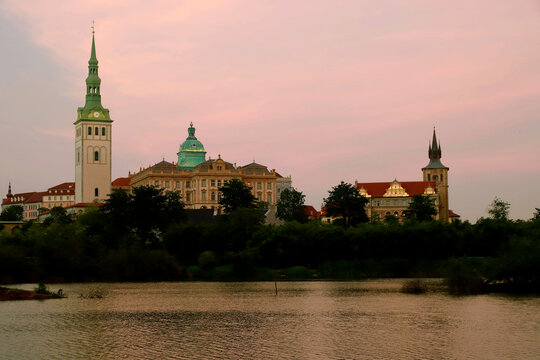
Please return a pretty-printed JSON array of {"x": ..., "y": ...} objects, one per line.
[
  {"x": 156, "y": 182},
  {"x": 428, "y": 177},
  {"x": 167, "y": 184},
  {"x": 203, "y": 183},
  {"x": 188, "y": 197},
  {"x": 259, "y": 196},
  {"x": 96, "y": 192},
  {"x": 219, "y": 196},
  {"x": 269, "y": 186},
  {"x": 188, "y": 184},
  {"x": 103, "y": 131},
  {"x": 203, "y": 196},
  {"x": 219, "y": 167},
  {"x": 442, "y": 177},
  {"x": 89, "y": 130},
  {"x": 212, "y": 183},
  {"x": 177, "y": 184},
  {"x": 213, "y": 196},
  {"x": 259, "y": 186},
  {"x": 219, "y": 183},
  {"x": 96, "y": 131},
  {"x": 96, "y": 155},
  {"x": 269, "y": 197}
]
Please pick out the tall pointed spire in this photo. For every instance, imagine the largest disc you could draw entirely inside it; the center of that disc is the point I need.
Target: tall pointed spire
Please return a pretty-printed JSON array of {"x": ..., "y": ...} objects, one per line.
[
  {"x": 93, "y": 110},
  {"x": 93, "y": 82},
  {"x": 434, "y": 153}
]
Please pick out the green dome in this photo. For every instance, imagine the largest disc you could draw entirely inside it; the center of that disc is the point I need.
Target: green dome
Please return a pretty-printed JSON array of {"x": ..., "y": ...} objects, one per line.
[{"x": 191, "y": 151}]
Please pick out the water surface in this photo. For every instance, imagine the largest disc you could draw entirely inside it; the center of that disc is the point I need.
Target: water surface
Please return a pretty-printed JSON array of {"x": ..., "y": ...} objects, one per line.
[{"x": 306, "y": 320}]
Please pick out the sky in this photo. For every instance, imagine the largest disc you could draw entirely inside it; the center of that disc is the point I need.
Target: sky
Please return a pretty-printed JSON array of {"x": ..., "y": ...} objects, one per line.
[{"x": 324, "y": 91}]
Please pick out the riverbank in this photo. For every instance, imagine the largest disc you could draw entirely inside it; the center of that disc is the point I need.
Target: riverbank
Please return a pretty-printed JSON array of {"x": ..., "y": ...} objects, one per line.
[{"x": 40, "y": 293}]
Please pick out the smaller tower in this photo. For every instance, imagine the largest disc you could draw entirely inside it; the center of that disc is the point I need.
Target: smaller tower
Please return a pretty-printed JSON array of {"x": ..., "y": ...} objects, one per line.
[
  {"x": 9, "y": 195},
  {"x": 191, "y": 152},
  {"x": 437, "y": 172}
]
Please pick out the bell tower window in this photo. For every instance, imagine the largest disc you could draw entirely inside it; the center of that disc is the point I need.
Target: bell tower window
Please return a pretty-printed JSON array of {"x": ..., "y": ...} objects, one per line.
[
  {"x": 96, "y": 192},
  {"x": 89, "y": 130},
  {"x": 96, "y": 131},
  {"x": 96, "y": 155}
]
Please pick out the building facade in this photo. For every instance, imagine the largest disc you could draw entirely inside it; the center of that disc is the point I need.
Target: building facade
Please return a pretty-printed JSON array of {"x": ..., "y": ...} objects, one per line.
[
  {"x": 60, "y": 195},
  {"x": 198, "y": 180},
  {"x": 31, "y": 202},
  {"x": 393, "y": 198},
  {"x": 93, "y": 138}
]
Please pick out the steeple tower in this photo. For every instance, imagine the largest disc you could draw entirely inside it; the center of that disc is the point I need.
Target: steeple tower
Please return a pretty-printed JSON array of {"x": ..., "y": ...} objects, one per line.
[
  {"x": 9, "y": 194},
  {"x": 437, "y": 172},
  {"x": 93, "y": 134}
]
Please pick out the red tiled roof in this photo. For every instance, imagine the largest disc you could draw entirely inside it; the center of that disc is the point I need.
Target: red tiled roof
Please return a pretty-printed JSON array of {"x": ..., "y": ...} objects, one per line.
[
  {"x": 67, "y": 188},
  {"x": 36, "y": 197},
  {"x": 83, "y": 205},
  {"x": 311, "y": 211},
  {"x": 412, "y": 188},
  {"x": 453, "y": 214},
  {"x": 23, "y": 198},
  {"x": 123, "y": 181}
]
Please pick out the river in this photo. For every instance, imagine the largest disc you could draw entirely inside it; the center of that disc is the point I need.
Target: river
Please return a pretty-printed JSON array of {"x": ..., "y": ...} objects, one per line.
[{"x": 368, "y": 319}]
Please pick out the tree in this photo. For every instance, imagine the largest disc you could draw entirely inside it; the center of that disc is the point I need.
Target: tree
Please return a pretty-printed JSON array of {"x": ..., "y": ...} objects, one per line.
[
  {"x": 235, "y": 194},
  {"x": 421, "y": 208},
  {"x": 12, "y": 213},
  {"x": 344, "y": 201},
  {"x": 499, "y": 209},
  {"x": 147, "y": 212},
  {"x": 290, "y": 206},
  {"x": 536, "y": 214}
]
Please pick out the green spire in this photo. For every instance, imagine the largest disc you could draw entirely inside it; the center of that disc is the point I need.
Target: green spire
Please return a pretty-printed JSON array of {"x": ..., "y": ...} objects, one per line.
[
  {"x": 93, "y": 82},
  {"x": 93, "y": 110}
]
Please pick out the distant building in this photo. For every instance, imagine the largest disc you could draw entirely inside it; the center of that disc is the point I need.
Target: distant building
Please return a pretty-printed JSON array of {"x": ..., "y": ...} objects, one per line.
[
  {"x": 31, "y": 202},
  {"x": 60, "y": 195},
  {"x": 198, "y": 180},
  {"x": 122, "y": 183},
  {"x": 393, "y": 198}
]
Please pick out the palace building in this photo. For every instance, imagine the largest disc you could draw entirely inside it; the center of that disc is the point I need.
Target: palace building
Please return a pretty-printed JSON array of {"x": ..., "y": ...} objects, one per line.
[{"x": 198, "y": 180}]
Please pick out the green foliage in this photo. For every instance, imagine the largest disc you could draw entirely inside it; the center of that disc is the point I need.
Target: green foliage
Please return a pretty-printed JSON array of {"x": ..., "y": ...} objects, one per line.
[
  {"x": 536, "y": 215},
  {"x": 12, "y": 213},
  {"x": 291, "y": 206},
  {"x": 421, "y": 208},
  {"x": 146, "y": 213},
  {"x": 108, "y": 245},
  {"x": 345, "y": 202},
  {"x": 235, "y": 194},
  {"x": 499, "y": 209}
]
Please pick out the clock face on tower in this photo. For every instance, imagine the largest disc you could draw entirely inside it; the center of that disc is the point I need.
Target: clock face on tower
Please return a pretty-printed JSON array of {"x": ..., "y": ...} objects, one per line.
[{"x": 96, "y": 114}]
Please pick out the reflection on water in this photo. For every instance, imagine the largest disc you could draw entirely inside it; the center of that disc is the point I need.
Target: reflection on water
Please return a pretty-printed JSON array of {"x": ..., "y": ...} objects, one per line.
[{"x": 307, "y": 320}]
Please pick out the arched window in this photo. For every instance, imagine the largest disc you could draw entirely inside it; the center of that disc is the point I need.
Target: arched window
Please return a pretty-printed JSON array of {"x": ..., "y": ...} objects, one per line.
[
  {"x": 442, "y": 177},
  {"x": 96, "y": 131},
  {"x": 103, "y": 131},
  {"x": 96, "y": 155},
  {"x": 428, "y": 177},
  {"x": 96, "y": 192},
  {"x": 89, "y": 130}
]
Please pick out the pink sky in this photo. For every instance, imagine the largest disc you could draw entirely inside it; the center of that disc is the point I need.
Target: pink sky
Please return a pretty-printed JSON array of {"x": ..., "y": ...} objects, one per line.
[{"x": 322, "y": 90}]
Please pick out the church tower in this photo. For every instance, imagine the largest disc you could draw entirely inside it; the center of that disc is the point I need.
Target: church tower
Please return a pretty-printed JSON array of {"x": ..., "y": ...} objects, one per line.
[
  {"x": 93, "y": 134},
  {"x": 437, "y": 172}
]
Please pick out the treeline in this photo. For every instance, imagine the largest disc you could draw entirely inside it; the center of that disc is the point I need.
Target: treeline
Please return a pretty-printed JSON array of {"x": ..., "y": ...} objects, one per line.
[{"x": 148, "y": 237}]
